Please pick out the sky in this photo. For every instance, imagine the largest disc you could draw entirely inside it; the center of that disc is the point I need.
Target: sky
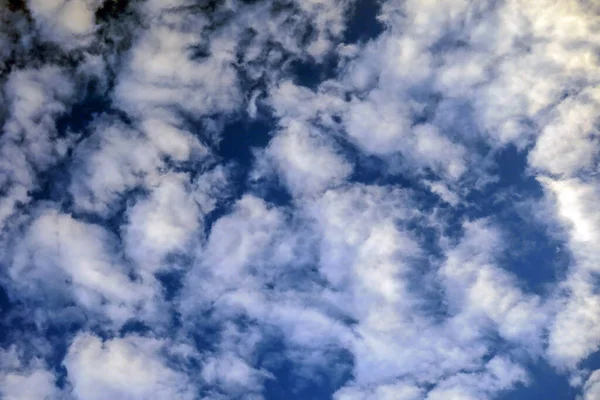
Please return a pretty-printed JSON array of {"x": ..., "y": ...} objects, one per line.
[{"x": 299, "y": 199}]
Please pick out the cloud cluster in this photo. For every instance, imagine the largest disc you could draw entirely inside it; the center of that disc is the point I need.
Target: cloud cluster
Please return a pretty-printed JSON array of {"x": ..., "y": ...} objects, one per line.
[
  {"x": 30, "y": 143},
  {"x": 132, "y": 367},
  {"x": 25, "y": 380},
  {"x": 217, "y": 200},
  {"x": 68, "y": 23}
]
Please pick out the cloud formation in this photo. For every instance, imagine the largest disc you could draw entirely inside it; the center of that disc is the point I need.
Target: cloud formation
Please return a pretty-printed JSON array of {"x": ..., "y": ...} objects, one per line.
[
  {"x": 239, "y": 199},
  {"x": 127, "y": 368}
]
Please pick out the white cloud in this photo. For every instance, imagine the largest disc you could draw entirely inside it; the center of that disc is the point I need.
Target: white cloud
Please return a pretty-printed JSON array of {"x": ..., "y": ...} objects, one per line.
[
  {"x": 22, "y": 379},
  {"x": 365, "y": 257},
  {"x": 365, "y": 271},
  {"x": 161, "y": 73},
  {"x": 163, "y": 223},
  {"x": 572, "y": 333},
  {"x": 308, "y": 164},
  {"x": 591, "y": 389},
  {"x": 570, "y": 142},
  {"x": 132, "y": 367},
  {"x": 35, "y": 98},
  {"x": 499, "y": 375},
  {"x": 63, "y": 259},
  {"x": 444, "y": 192},
  {"x": 246, "y": 248},
  {"x": 232, "y": 374},
  {"x": 109, "y": 163},
  {"x": 370, "y": 261},
  {"x": 380, "y": 125},
  {"x": 477, "y": 58},
  {"x": 477, "y": 287},
  {"x": 68, "y": 22},
  {"x": 170, "y": 139},
  {"x": 395, "y": 391},
  {"x": 250, "y": 267},
  {"x": 296, "y": 104},
  {"x": 37, "y": 385}
]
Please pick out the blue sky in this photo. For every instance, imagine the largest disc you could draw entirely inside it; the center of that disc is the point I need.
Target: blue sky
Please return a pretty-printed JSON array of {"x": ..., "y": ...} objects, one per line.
[{"x": 287, "y": 199}]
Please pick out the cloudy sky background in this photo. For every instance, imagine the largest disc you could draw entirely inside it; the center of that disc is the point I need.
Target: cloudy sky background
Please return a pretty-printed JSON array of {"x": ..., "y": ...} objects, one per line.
[{"x": 299, "y": 199}]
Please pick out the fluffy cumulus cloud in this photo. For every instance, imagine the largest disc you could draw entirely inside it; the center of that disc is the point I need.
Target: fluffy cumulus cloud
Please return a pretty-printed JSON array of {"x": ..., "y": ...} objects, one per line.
[
  {"x": 591, "y": 389},
  {"x": 286, "y": 199},
  {"x": 34, "y": 98},
  {"x": 127, "y": 368},
  {"x": 25, "y": 379},
  {"x": 67, "y": 22},
  {"x": 306, "y": 162},
  {"x": 67, "y": 260}
]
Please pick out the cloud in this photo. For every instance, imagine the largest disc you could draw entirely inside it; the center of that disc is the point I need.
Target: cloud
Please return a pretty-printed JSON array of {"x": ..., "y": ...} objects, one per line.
[
  {"x": 121, "y": 158},
  {"x": 163, "y": 223},
  {"x": 308, "y": 164},
  {"x": 38, "y": 384},
  {"x": 445, "y": 193},
  {"x": 232, "y": 374},
  {"x": 161, "y": 72},
  {"x": 132, "y": 367},
  {"x": 591, "y": 390},
  {"x": 479, "y": 288},
  {"x": 371, "y": 261},
  {"x": 499, "y": 374},
  {"x": 30, "y": 143},
  {"x": 400, "y": 391},
  {"x": 569, "y": 143},
  {"x": 364, "y": 252},
  {"x": 26, "y": 380},
  {"x": 67, "y": 22},
  {"x": 68, "y": 260},
  {"x": 571, "y": 335},
  {"x": 246, "y": 249}
]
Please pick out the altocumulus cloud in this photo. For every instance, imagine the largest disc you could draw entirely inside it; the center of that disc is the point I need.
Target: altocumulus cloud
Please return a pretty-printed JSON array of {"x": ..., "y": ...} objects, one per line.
[{"x": 290, "y": 199}]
